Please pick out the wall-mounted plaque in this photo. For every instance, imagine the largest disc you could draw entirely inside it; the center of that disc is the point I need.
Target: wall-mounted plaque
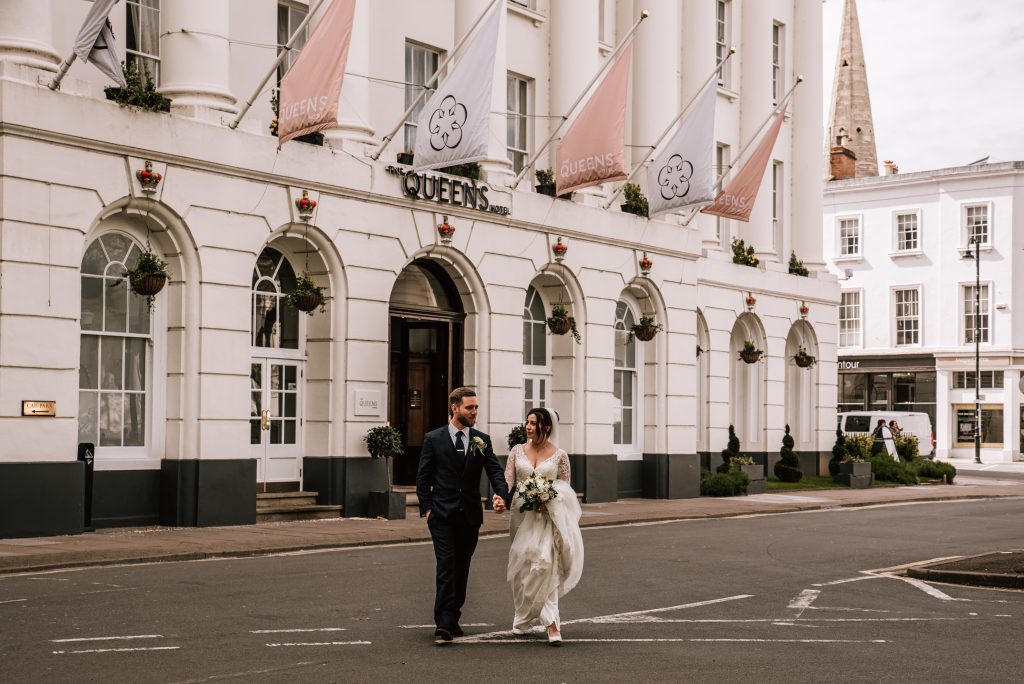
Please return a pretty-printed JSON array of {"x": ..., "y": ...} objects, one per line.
[
  {"x": 366, "y": 402},
  {"x": 39, "y": 408}
]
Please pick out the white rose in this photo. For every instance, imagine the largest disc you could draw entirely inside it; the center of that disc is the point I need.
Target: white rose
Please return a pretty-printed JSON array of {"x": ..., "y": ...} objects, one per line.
[
  {"x": 544, "y": 496},
  {"x": 521, "y": 488}
]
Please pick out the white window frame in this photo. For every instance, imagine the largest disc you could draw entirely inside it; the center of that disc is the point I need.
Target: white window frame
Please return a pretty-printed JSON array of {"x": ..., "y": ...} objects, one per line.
[
  {"x": 414, "y": 83},
  {"x": 723, "y": 227},
  {"x": 778, "y": 62},
  {"x": 778, "y": 195},
  {"x": 132, "y": 54},
  {"x": 859, "y": 333},
  {"x": 853, "y": 256},
  {"x": 958, "y": 380},
  {"x": 894, "y": 297},
  {"x": 521, "y": 111},
  {"x": 987, "y": 331},
  {"x": 534, "y": 374},
  {"x": 965, "y": 232},
  {"x": 897, "y": 249},
  {"x": 295, "y": 12},
  {"x": 723, "y": 40},
  {"x": 634, "y": 448}
]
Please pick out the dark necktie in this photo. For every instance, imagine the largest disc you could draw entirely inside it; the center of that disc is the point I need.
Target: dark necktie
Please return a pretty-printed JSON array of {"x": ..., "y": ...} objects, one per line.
[{"x": 460, "y": 447}]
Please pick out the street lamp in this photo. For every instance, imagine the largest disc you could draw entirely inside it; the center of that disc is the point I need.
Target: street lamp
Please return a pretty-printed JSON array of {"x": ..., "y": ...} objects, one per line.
[{"x": 977, "y": 343}]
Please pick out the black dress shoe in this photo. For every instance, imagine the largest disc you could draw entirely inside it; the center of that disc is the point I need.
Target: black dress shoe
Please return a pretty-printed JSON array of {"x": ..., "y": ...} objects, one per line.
[
  {"x": 442, "y": 637},
  {"x": 457, "y": 632}
]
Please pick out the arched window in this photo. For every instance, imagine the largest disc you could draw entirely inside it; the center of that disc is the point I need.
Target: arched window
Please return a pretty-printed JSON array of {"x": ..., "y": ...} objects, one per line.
[
  {"x": 625, "y": 382},
  {"x": 536, "y": 365},
  {"x": 274, "y": 324},
  {"x": 114, "y": 347}
]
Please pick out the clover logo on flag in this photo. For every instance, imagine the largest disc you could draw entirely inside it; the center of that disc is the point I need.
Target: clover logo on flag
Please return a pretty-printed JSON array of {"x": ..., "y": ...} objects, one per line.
[
  {"x": 674, "y": 177},
  {"x": 446, "y": 124}
]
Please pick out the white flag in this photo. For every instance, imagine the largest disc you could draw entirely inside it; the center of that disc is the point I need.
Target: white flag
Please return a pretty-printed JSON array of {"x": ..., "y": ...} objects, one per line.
[
  {"x": 683, "y": 173},
  {"x": 454, "y": 125},
  {"x": 95, "y": 41}
]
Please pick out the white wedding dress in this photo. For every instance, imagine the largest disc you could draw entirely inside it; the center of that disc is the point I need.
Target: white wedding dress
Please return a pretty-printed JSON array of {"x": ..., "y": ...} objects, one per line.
[{"x": 545, "y": 560}]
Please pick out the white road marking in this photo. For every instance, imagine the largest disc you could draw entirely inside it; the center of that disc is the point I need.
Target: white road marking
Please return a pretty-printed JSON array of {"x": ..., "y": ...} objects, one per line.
[
  {"x": 313, "y": 629},
  {"x": 602, "y": 618},
  {"x": 804, "y": 599},
  {"x": 50, "y": 579},
  {"x": 678, "y": 640},
  {"x": 929, "y": 589},
  {"x": 851, "y": 610},
  {"x": 323, "y": 643},
  {"x": 109, "y": 638},
  {"x": 13, "y": 601},
  {"x": 468, "y": 624},
  {"x": 120, "y": 650},
  {"x": 846, "y": 581}
]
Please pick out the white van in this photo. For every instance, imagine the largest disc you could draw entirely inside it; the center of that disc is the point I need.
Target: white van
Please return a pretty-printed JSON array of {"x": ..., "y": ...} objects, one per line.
[{"x": 911, "y": 423}]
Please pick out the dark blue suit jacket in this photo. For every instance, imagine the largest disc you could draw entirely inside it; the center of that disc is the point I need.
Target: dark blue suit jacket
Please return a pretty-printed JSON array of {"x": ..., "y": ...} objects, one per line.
[{"x": 445, "y": 484}]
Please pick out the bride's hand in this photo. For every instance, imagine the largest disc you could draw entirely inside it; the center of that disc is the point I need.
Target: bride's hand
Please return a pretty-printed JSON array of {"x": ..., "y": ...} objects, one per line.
[{"x": 542, "y": 509}]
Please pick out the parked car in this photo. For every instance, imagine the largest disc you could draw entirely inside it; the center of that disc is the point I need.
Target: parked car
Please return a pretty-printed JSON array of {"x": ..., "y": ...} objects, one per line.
[{"x": 910, "y": 422}]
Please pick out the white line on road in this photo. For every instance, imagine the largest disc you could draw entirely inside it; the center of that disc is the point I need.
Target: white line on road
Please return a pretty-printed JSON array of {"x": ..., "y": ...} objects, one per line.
[
  {"x": 324, "y": 643},
  {"x": 846, "y": 581},
  {"x": 468, "y": 624},
  {"x": 13, "y": 601},
  {"x": 929, "y": 589},
  {"x": 109, "y": 638},
  {"x": 804, "y": 599},
  {"x": 678, "y": 640},
  {"x": 658, "y": 610},
  {"x": 283, "y": 631},
  {"x": 777, "y": 621},
  {"x": 120, "y": 650}
]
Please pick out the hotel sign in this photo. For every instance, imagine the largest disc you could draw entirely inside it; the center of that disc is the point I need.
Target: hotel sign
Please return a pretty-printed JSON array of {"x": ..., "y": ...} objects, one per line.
[{"x": 444, "y": 190}]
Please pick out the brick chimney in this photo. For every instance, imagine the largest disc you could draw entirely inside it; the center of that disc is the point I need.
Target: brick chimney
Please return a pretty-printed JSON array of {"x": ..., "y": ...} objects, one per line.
[
  {"x": 891, "y": 169},
  {"x": 843, "y": 163}
]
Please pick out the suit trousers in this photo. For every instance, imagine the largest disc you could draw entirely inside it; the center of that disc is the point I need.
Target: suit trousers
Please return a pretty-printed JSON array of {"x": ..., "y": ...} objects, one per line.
[{"x": 455, "y": 541}]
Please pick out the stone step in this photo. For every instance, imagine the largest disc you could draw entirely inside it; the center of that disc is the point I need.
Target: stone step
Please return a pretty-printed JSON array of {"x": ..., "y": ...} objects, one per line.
[
  {"x": 282, "y": 513},
  {"x": 285, "y": 499}
]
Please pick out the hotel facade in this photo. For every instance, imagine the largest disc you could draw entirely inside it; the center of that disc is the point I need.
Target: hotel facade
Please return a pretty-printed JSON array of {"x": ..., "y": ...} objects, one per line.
[{"x": 221, "y": 392}]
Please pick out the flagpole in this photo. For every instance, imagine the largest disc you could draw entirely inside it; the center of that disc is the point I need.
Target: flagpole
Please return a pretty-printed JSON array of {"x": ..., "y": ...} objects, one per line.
[
  {"x": 718, "y": 186},
  {"x": 426, "y": 86},
  {"x": 611, "y": 58},
  {"x": 280, "y": 58},
  {"x": 54, "y": 83},
  {"x": 668, "y": 128}
]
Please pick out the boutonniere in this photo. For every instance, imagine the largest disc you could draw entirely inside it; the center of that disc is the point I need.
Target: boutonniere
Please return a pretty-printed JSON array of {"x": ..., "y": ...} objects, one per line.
[{"x": 478, "y": 445}]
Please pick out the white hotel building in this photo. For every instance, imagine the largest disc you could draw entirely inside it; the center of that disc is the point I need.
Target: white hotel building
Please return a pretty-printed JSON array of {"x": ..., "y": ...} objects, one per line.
[
  {"x": 907, "y": 314},
  {"x": 174, "y": 401}
]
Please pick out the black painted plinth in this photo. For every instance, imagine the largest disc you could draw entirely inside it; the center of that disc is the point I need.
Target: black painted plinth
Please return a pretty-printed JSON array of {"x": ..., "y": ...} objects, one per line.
[
  {"x": 596, "y": 475},
  {"x": 42, "y": 499},
  {"x": 389, "y": 505},
  {"x": 671, "y": 476},
  {"x": 344, "y": 482},
  {"x": 206, "y": 493}
]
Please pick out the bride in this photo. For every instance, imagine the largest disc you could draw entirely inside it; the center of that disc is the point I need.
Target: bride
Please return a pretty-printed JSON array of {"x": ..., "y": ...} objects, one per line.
[{"x": 546, "y": 557}]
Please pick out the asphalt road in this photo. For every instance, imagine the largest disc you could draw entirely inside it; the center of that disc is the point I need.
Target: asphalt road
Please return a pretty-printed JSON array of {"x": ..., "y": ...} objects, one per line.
[{"x": 770, "y": 598}]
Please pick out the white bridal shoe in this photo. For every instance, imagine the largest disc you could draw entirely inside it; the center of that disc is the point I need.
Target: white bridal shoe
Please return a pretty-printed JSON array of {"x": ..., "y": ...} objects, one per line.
[
  {"x": 518, "y": 632},
  {"x": 554, "y": 639}
]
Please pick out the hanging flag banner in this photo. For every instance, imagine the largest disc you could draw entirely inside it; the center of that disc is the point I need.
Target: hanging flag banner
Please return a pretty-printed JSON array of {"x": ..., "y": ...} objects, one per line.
[
  {"x": 311, "y": 88},
  {"x": 737, "y": 200},
  {"x": 593, "y": 150},
  {"x": 683, "y": 173},
  {"x": 454, "y": 126},
  {"x": 95, "y": 41}
]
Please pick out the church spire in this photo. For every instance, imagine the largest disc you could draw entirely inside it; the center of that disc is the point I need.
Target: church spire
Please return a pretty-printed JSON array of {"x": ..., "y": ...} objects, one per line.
[{"x": 850, "y": 123}]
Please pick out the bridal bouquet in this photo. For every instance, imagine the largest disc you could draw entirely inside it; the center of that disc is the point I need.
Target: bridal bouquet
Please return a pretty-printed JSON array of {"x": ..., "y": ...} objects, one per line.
[{"x": 535, "y": 491}]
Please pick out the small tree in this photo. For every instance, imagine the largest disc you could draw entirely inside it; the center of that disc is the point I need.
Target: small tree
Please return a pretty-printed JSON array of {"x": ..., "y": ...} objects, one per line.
[
  {"x": 636, "y": 201},
  {"x": 839, "y": 453},
  {"x": 796, "y": 267},
  {"x": 788, "y": 468},
  {"x": 384, "y": 442},
  {"x": 731, "y": 449}
]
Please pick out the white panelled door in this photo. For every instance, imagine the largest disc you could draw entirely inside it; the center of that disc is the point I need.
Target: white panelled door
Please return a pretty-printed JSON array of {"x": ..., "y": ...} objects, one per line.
[{"x": 274, "y": 425}]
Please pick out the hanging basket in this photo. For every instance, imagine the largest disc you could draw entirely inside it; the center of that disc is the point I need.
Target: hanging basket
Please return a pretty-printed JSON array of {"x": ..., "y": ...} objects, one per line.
[
  {"x": 307, "y": 301},
  {"x": 149, "y": 284},
  {"x": 560, "y": 326},
  {"x": 804, "y": 360},
  {"x": 751, "y": 356},
  {"x": 645, "y": 333}
]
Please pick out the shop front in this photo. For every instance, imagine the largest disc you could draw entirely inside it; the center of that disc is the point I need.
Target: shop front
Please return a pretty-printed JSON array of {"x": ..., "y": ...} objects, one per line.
[{"x": 888, "y": 383}]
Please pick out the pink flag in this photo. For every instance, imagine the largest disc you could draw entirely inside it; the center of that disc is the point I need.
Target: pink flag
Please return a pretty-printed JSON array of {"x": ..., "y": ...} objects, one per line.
[
  {"x": 737, "y": 200},
  {"x": 311, "y": 88},
  {"x": 593, "y": 150}
]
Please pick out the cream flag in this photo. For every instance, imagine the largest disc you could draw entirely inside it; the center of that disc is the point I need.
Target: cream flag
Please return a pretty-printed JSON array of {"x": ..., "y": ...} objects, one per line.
[
  {"x": 683, "y": 173},
  {"x": 95, "y": 41}
]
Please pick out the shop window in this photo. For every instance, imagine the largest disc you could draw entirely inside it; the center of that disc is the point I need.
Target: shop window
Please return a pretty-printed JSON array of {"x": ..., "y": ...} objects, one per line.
[{"x": 991, "y": 425}]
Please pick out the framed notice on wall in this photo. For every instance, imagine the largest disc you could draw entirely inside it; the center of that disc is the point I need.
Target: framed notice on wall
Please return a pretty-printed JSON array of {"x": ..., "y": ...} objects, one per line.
[
  {"x": 965, "y": 426},
  {"x": 991, "y": 425}
]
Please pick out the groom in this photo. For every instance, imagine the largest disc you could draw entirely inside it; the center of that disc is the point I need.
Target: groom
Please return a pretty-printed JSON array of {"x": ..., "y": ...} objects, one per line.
[{"x": 448, "y": 487}]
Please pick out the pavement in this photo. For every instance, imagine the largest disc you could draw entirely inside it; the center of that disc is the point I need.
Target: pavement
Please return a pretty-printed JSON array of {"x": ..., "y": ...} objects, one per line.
[{"x": 118, "y": 546}]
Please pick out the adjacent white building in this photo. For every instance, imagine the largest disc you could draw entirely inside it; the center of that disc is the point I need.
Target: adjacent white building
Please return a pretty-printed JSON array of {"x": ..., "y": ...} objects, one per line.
[
  {"x": 222, "y": 390},
  {"x": 907, "y": 313}
]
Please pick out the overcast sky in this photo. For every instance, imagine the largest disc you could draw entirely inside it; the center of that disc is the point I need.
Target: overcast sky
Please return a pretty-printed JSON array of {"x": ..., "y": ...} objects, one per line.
[{"x": 946, "y": 78}]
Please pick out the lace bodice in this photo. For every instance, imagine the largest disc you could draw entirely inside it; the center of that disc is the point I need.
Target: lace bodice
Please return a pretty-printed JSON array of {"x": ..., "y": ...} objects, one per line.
[{"x": 519, "y": 468}]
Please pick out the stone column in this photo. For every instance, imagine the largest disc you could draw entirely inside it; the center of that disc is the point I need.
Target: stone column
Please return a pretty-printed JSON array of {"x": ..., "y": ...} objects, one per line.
[
  {"x": 497, "y": 168},
  {"x": 656, "y": 71},
  {"x": 698, "y": 47},
  {"x": 573, "y": 58},
  {"x": 755, "y": 104},
  {"x": 353, "y": 130},
  {"x": 26, "y": 34},
  {"x": 195, "y": 58},
  {"x": 805, "y": 235}
]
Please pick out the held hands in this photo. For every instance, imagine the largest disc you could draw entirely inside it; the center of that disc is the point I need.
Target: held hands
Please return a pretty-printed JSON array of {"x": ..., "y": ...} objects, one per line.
[{"x": 498, "y": 503}]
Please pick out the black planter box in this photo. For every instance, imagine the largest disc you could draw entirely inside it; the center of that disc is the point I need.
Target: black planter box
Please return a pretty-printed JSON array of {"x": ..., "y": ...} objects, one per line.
[
  {"x": 405, "y": 158},
  {"x": 390, "y": 505},
  {"x": 855, "y": 475},
  {"x": 112, "y": 93},
  {"x": 756, "y": 474},
  {"x": 545, "y": 189},
  {"x": 316, "y": 138}
]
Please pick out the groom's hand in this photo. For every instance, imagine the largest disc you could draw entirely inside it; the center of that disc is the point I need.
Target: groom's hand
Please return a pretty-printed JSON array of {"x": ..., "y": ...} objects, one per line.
[{"x": 499, "y": 504}]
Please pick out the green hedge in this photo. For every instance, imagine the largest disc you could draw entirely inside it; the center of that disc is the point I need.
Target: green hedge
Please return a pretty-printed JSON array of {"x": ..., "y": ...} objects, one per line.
[
  {"x": 885, "y": 468},
  {"x": 730, "y": 483},
  {"x": 935, "y": 470}
]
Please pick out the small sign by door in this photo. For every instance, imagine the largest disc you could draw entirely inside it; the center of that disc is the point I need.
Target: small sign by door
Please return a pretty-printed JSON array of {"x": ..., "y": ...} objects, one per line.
[
  {"x": 366, "y": 402},
  {"x": 39, "y": 408}
]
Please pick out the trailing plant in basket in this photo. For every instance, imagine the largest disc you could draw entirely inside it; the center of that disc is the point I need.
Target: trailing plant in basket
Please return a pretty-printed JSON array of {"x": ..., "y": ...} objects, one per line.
[
  {"x": 384, "y": 442},
  {"x": 645, "y": 329},
  {"x": 139, "y": 92},
  {"x": 560, "y": 322},
  {"x": 306, "y": 296},
  {"x": 148, "y": 277},
  {"x": 803, "y": 359},
  {"x": 750, "y": 353},
  {"x": 788, "y": 468},
  {"x": 517, "y": 436}
]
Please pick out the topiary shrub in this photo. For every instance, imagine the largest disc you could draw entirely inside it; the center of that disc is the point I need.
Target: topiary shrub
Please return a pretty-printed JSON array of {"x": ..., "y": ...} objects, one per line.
[
  {"x": 838, "y": 453},
  {"x": 732, "y": 449},
  {"x": 887, "y": 469},
  {"x": 934, "y": 469},
  {"x": 788, "y": 468},
  {"x": 729, "y": 483},
  {"x": 908, "y": 448}
]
